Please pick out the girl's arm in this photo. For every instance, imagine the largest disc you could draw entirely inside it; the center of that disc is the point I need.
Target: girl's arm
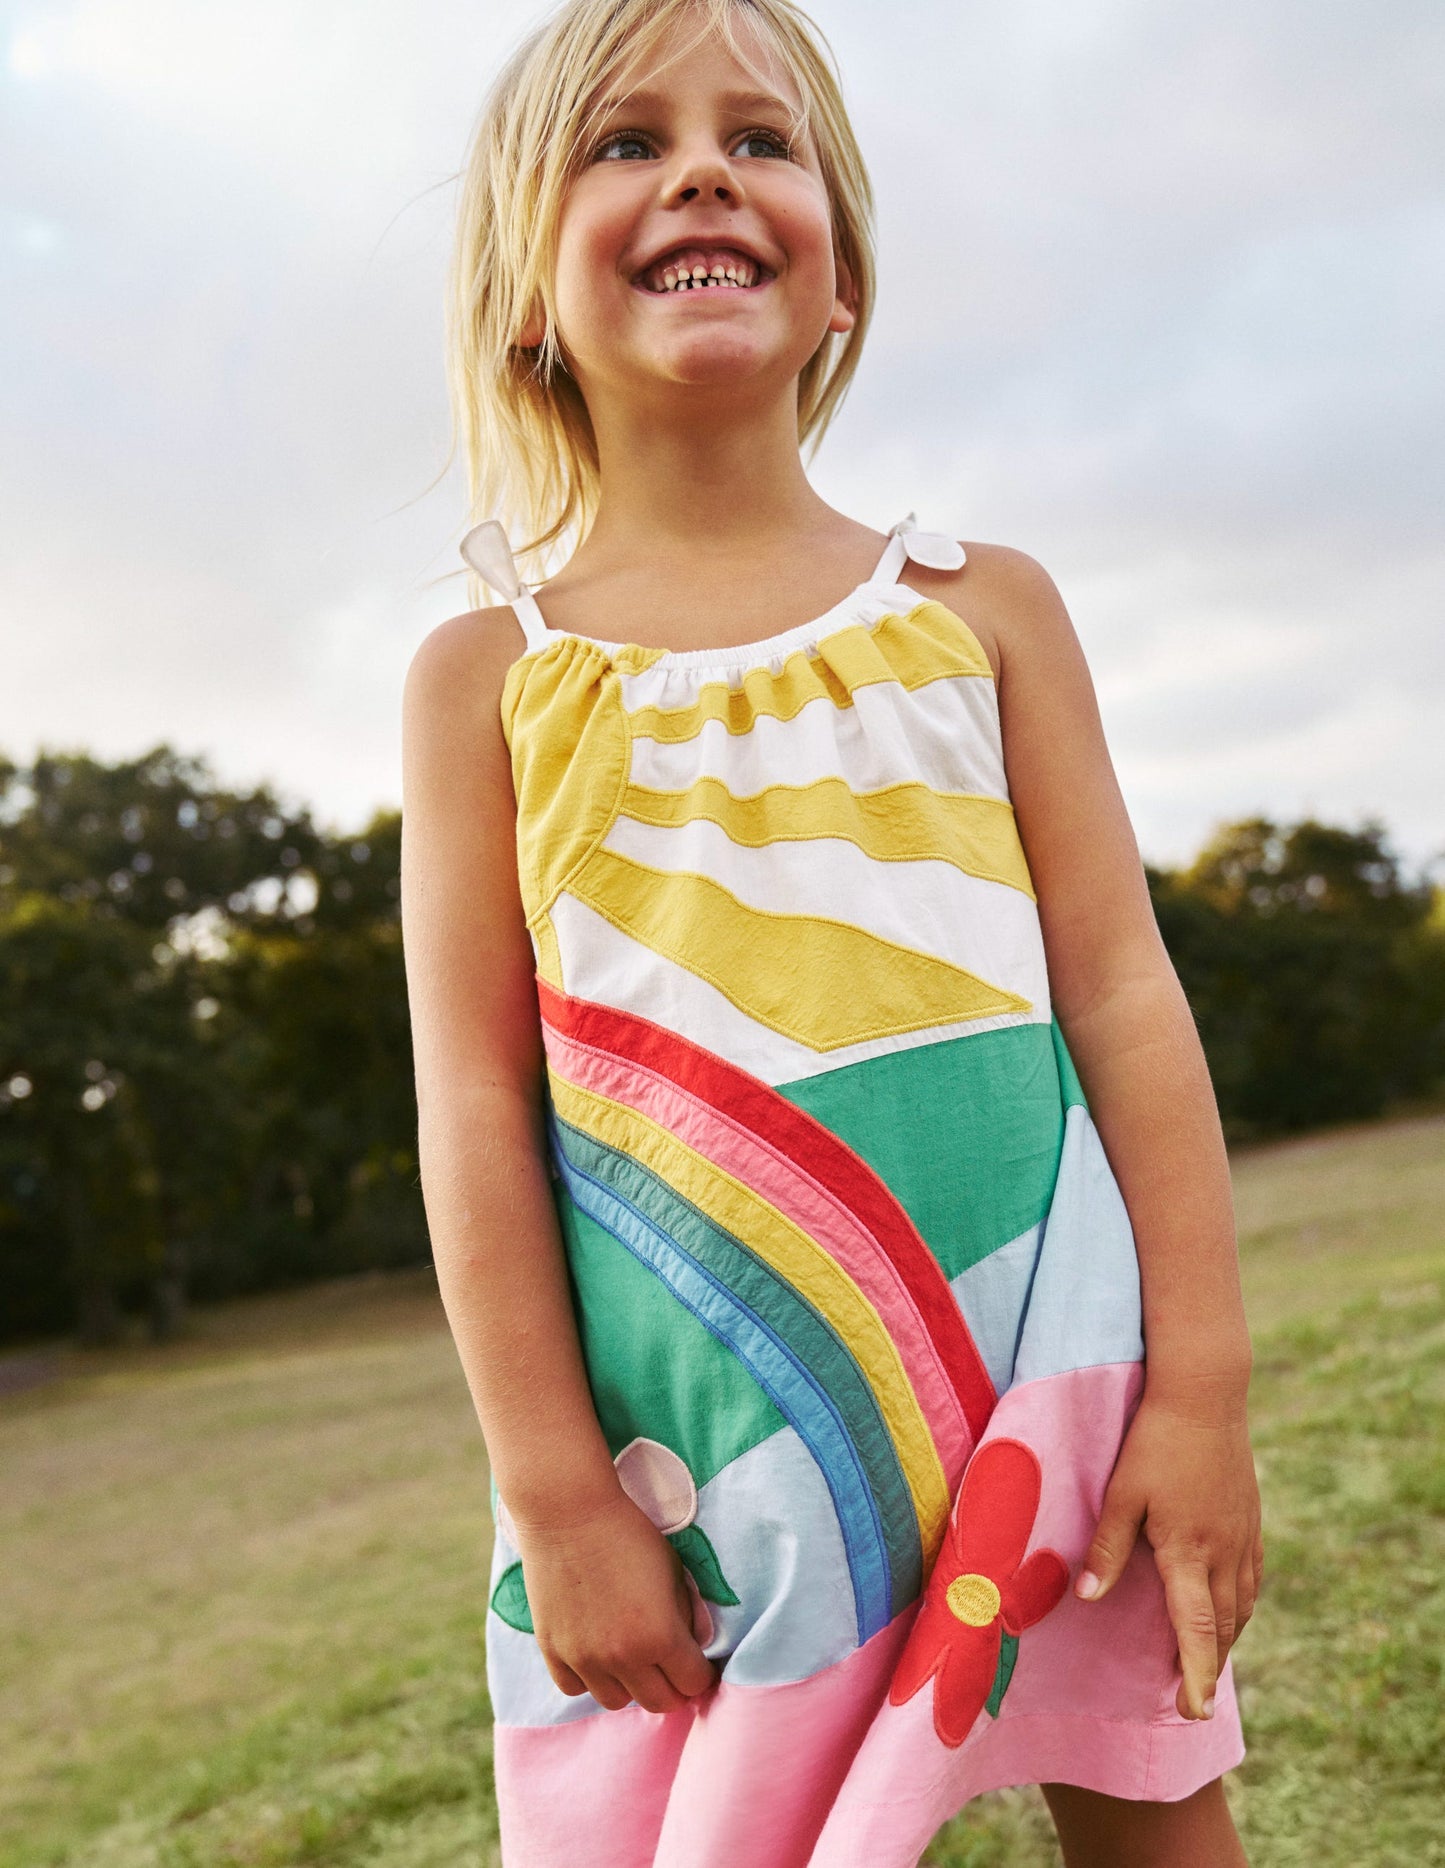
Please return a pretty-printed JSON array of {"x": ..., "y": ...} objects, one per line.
[
  {"x": 1185, "y": 1472},
  {"x": 607, "y": 1592}
]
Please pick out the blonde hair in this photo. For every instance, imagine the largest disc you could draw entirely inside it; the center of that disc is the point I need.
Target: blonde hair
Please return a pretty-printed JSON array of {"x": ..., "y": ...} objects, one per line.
[{"x": 530, "y": 454}]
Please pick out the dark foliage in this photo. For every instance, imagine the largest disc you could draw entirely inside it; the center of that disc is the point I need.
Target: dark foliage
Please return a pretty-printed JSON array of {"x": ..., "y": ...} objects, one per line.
[
  {"x": 205, "y": 1061},
  {"x": 1315, "y": 971}
]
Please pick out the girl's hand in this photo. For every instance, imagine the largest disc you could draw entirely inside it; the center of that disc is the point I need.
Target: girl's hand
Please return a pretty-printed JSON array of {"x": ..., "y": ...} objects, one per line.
[
  {"x": 1186, "y": 1474},
  {"x": 612, "y": 1609}
]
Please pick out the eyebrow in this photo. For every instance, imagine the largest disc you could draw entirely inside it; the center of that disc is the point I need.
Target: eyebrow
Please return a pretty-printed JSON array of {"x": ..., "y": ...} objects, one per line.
[{"x": 742, "y": 101}]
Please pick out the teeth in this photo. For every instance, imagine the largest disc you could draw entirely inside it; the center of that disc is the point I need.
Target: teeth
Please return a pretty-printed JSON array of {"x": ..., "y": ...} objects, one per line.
[{"x": 678, "y": 276}]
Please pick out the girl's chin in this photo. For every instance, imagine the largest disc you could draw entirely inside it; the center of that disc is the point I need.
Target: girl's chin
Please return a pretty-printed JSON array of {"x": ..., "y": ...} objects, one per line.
[
  {"x": 687, "y": 351},
  {"x": 710, "y": 362}
]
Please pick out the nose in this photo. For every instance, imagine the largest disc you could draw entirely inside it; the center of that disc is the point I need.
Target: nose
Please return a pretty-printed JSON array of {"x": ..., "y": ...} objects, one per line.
[{"x": 703, "y": 173}]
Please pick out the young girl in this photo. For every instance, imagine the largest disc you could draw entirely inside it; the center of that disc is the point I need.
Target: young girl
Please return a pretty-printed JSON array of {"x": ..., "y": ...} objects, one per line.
[{"x": 813, "y": 1128}]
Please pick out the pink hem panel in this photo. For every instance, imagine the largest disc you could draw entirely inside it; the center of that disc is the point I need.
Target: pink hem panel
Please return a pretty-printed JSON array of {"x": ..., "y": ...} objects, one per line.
[
  {"x": 827, "y": 1773},
  {"x": 592, "y": 1790},
  {"x": 753, "y": 1774},
  {"x": 1156, "y": 1763},
  {"x": 745, "y": 1776}
]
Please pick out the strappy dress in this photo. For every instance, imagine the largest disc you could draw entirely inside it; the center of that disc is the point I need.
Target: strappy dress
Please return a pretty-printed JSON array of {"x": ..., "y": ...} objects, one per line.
[{"x": 855, "y": 1282}]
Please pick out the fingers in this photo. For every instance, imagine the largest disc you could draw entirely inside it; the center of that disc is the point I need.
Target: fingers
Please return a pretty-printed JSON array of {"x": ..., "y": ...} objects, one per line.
[
  {"x": 689, "y": 1669},
  {"x": 653, "y": 1691},
  {"x": 1246, "y": 1594},
  {"x": 697, "y": 1612},
  {"x": 621, "y": 1620},
  {"x": 608, "y": 1691},
  {"x": 1249, "y": 1581},
  {"x": 1223, "y": 1592},
  {"x": 681, "y": 1672},
  {"x": 563, "y": 1677},
  {"x": 653, "y": 1687},
  {"x": 1113, "y": 1543},
  {"x": 1192, "y": 1612},
  {"x": 604, "y": 1687},
  {"x": 647, "y": 1685}
]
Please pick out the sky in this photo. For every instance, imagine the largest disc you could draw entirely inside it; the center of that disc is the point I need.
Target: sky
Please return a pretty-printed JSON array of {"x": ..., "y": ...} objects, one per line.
[{"x": 1162, "y": 303}]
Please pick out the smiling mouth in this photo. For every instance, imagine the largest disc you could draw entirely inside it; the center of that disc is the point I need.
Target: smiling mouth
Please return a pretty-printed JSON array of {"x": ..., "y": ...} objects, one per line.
[{"x": 703, "y": 269}]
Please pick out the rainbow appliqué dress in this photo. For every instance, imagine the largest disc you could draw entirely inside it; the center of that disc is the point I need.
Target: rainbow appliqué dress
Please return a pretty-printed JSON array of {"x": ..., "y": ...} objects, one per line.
[{"x": 855, "y": 1282}]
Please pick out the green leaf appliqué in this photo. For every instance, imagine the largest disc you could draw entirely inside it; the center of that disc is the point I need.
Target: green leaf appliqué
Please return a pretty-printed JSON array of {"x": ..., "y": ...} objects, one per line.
[
  {"x": 694, "y": 1546},
  {"x": 509, "y": 1599},
  {"x": 1008, "y": 1653}
]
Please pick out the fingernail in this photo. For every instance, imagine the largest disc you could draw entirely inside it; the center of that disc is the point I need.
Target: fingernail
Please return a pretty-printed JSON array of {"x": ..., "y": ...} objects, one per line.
[
  {"x": 1087, "y": 1585},
  {"x": 1209, "y": 1708}
]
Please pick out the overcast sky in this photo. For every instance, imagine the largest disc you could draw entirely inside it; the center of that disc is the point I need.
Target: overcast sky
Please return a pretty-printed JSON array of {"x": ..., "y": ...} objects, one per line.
[{"x": 1162, "y": 303}]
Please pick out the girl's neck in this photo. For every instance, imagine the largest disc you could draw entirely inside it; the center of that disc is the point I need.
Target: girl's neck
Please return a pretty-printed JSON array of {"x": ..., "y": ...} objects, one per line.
[{"x": 700, "y": 484}]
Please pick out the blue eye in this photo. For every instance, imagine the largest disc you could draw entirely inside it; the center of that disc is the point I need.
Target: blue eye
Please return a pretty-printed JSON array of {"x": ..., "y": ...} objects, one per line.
[
  {"x": 621, "y": 140},
  {"x": 629, "y": 145},
  {"x": 772, "y": 145}
]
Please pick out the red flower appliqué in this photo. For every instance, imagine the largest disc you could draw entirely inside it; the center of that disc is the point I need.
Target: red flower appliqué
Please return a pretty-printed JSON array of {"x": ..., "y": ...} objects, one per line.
[{"x": 983, "y": 1592}]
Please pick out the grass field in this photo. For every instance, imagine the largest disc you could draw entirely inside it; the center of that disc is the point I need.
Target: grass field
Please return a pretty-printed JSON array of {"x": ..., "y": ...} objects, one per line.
[{"x": 243, "y": 1576}]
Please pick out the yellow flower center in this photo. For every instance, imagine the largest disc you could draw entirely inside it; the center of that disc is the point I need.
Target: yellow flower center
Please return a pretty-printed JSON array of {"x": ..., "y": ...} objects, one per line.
[{"x": 974, "y": 1600}]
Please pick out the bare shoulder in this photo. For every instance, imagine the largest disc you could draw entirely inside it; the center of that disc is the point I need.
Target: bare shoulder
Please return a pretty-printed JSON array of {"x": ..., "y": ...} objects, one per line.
[
  {"x": 463, "y": 661},
  {"x": 469, "y": 959},
  {"x": 456, "y": 767},
  {"x": 1007, "y": 598}
]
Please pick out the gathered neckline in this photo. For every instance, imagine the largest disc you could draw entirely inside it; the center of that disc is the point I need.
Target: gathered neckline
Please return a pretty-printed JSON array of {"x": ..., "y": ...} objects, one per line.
[{"x": 739, "y": 654}]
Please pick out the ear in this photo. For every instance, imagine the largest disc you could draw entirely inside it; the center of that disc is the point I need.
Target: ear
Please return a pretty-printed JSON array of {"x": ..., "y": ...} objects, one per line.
[{"x": 845, "y": 313}]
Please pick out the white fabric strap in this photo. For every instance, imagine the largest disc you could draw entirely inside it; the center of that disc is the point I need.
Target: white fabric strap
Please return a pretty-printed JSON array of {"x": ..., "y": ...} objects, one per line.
[
  {"x": 486, "y": 550},
  {"x": 905, "y": 541}
]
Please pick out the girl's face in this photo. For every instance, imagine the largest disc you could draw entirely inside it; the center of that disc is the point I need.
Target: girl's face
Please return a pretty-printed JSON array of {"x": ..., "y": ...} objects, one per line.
[{"x": 689, "y": 176}]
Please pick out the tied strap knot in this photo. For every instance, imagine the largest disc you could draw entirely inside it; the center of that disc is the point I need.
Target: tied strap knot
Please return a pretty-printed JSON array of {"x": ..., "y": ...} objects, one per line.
[
  {"x": 934, "y": 549},
  {"x": 486, "y": 549}
]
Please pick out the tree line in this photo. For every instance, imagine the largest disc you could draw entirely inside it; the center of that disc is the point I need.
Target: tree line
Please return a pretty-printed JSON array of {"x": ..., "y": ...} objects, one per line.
[{"x": 205, "y": 1062}]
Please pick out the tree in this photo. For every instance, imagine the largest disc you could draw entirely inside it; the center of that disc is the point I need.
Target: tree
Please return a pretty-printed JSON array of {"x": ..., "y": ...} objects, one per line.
[
  {"x": 152, "y": 840},
  {"x": 93, "y": 1056},
  {"x": 1309, "y": 964},
  {"x": 205, "y": 1060}
]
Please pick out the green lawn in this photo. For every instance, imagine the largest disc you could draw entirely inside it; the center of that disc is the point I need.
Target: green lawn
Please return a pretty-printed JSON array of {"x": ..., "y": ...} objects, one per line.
[{"x": 243, "y": 1576}]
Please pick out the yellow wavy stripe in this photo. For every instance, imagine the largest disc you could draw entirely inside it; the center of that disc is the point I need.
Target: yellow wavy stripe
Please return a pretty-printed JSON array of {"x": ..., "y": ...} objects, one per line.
[
  {"x": 896, "y": 823},
  {"x": 821, "y": 982},
  {"x": 568, "y": 734},
  {"x": 798, "y": 1258},
  {"x": 928, "y": 644}
]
